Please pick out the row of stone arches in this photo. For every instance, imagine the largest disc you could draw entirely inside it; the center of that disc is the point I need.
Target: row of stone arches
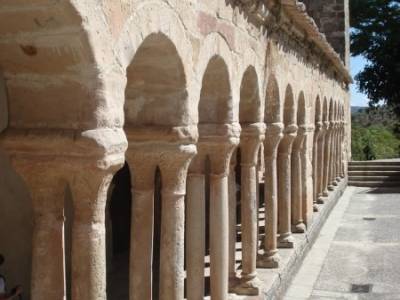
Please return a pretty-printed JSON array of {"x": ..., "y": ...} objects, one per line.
[{"x": 166, "y": 146}]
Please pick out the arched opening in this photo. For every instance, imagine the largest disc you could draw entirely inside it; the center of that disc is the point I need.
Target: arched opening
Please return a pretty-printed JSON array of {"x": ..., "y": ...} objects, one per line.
[
  {"x": 215, "y": 106},
  {"x": 289, "y": 108},
  {"x": 301, "y": 110},
  {"x": 272, "y": 102},
  {"x": 118, "y": 230},
  {"x": 156, "y": 92},
  {"x": 249, "y": 108}
]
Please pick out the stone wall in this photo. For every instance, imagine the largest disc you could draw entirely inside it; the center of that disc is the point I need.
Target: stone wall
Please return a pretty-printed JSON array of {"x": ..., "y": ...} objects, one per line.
[{"x": 332, "y": 18}]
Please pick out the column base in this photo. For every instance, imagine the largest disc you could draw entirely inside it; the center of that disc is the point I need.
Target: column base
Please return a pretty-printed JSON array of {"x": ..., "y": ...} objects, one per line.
[
  {"x": 248, "y": 287},
  {"x": 286, "y": 241},
  {"x": 325, "y": 193},
  {"x": 335, "y": 183},
  {"x": 338, "y": 179},
  {"x": 269, "y": 260},
  {"x": 331, "y": 187},
  {"x": 320, "y": 199},
  {"x": 233, "y": 282},
  {"x": 315, "y": 207},
  {"x": 342, "y": 176},
  {"x": 299, "y": 228}
]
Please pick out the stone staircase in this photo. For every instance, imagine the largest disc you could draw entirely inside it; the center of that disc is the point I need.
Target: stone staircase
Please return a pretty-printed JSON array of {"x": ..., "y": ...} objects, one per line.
[{"x": 374, "y": 173}]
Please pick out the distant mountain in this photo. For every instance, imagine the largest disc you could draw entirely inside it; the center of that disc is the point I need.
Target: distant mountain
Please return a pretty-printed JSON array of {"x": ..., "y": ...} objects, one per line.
[{"x": 357, "y": 109}]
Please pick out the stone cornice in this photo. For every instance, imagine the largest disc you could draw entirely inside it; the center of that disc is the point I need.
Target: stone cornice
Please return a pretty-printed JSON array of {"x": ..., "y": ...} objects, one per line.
[{"x": 290, "y": 16}]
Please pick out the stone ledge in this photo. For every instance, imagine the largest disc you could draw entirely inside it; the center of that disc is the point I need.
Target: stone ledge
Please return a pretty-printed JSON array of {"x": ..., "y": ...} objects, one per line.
[{"x": 276, "y": 281}]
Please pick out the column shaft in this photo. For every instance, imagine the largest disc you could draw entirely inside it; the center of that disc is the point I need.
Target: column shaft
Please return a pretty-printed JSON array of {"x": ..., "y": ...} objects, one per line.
[
  {"x": 195, "y": 236},
  {"x": 141, "y": 246},
  {"x": 88, "y": 236},
  {"x": 48, "y": 263},
  {"x": 249, "y": 221},
  {"x": 219, "y": 239},
  {"x": 232, "y": 223}
]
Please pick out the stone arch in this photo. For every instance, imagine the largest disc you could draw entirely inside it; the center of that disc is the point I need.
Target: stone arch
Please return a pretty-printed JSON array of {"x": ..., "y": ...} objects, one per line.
[
  {"x": 215, "y": 106},
  {"x": 289, "y": 108},
  {"x": 250, "y": 104},
  {"x": 156, "y": 92},
  {"x": 301, "y": 110},
  {"x": 214, "y": 47},
  {"x": 272, "y": 102},
  {"x": 51, "y": 60}
]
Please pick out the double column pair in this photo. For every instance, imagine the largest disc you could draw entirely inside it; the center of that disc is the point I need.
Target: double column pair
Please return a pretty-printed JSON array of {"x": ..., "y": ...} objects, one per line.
[
  {"x": 47, "y": 181},
  {"x": 284, "y": 155},
  {"x": 216, "y": 145},
  {"x": 173, "y": 162}
]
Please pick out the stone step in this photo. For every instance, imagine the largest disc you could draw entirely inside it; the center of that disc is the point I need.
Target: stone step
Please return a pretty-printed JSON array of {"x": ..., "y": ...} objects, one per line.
[
  {"x": 374, "y": 183},
  {"x": 374, "y": 178},
  {"x": 374, "y": 163},
  {"x": 375, "y": 168},
  {"x": 374, "y": 173}
]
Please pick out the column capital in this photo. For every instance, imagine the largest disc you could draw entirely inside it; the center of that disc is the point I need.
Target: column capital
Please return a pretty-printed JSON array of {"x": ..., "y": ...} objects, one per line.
[
  {"x": 251, "y": 138},
  {"x": 289, "y": 135},
  {"x": 273, "y": 134}
]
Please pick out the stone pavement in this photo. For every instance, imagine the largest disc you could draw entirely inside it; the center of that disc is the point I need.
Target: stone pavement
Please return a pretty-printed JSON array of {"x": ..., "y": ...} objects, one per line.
[{"x": 357, "y": 255}]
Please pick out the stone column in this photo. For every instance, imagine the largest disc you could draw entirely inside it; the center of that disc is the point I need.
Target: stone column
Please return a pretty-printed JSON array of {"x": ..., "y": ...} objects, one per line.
[
  {"x": 285, "y": 239},
  {"x": 317, "y": 163},
  {"x": 233, "y": 280},
  {"x": 324, "y": 163},
  {"x": 332, "y": 177},
  {"x": 251, "y": 138},
  {"x": 195, "y": 229},
  {"x": 219, "y": 219},
  {"x": 89, "y": 189},
  {"x": 48, "y": 259},
  {"x": 343, "y": 150},
  {"x": 173, "y": 168},
  {"x": 338, "y": 153},
  {"x": 142, "y": 169},
  {"x": 306, "y": 176},
  {"x": 328, "y": 156},
  {"x": 273, "y": 136},
  {"x": 297, "y": 182}
]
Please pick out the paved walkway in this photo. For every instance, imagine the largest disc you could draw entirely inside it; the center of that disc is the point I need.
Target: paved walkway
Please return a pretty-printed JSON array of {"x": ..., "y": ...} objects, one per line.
[{"x": 357, "y": 255}]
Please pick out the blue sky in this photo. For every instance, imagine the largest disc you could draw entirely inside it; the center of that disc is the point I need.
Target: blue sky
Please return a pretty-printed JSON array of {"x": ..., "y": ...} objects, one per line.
[{"x": 357, "y": 63}]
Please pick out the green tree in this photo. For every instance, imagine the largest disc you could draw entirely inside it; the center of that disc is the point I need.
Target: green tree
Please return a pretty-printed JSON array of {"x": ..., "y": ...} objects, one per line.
[{"x": 376, "y": 36}]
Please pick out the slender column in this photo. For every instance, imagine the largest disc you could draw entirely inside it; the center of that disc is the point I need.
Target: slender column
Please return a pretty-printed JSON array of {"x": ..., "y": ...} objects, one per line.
[
  {"x": 328, "y": 154},
  {"x": 270, "y": 258},
  {"x": 306, "y": 176},
  {"x": 142, "y": 226},
  {"x": 173, "y": 171},
  {"x": 219, "y": 220},
  {"x": 317, "y": 163},
  {"x": 48, "y": 264},
  {"x": 342, "y": 150},
  {"x": 333, "y": 155},
  {"x": 297, "y": 182},
  {"x": 195, "y": 235},
  {"x": 338, "y": 153},
  {"x": 285, "y": 239},
  {"x": 251, "y": 139},
  {"x": 89, "y": 190},
  {"x": 325, "y": 163},
  {"x": 233, "y": 280}
]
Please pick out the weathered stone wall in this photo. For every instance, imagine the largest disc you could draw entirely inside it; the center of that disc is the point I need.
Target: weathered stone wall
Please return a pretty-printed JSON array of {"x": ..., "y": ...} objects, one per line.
[{"x": 332, "y": 18}]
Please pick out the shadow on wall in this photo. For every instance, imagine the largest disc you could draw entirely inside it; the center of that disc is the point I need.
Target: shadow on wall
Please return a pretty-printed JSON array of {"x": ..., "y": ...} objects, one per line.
[{"x": 15, "y": 227}]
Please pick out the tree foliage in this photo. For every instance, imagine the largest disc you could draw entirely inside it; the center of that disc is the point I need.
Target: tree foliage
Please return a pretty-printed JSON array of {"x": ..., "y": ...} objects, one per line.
[
  {"x": 376, "y": 36},
  {"x": 375, "y": 134}
]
